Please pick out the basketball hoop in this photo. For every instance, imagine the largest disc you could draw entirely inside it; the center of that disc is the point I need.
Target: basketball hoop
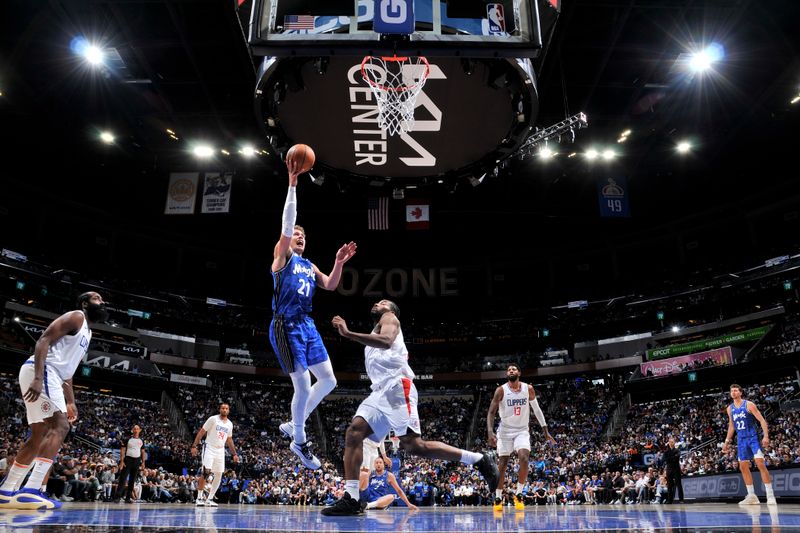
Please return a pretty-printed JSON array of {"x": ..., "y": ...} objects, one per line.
[{"x": 396, "y": 82}]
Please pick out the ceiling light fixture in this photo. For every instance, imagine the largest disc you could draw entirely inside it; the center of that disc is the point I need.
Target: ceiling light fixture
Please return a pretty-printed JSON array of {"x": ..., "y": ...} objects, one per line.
[{"x": 203, "y": 151}]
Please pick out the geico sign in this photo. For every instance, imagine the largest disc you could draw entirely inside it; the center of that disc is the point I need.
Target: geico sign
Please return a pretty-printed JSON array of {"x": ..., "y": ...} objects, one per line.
[
  {"x": 787, "y": 483},
  {"x": 712, "y": 486}
]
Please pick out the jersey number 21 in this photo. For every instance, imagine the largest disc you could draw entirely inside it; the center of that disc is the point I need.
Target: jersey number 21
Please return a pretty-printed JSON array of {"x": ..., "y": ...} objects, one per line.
[{"x": 305, "y": 287}]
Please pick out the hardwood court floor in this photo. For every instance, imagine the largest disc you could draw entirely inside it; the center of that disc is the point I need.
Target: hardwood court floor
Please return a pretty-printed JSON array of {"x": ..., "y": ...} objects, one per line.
[{"x": 124, "y": 518}]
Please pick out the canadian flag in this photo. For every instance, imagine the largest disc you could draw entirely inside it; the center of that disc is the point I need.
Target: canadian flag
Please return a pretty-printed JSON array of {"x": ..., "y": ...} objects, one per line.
[{"x": 418, "y": 214}]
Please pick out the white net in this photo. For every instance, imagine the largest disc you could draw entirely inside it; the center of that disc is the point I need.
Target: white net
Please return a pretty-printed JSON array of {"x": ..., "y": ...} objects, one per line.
[{"x": 395, "y": 82}]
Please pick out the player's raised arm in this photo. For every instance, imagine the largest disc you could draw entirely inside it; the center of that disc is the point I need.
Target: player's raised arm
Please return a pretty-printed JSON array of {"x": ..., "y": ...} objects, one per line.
[
  {"x": 329, "y": 282},
  {"x": 281, "y": 251},
  {"x": 387, "y": 331}
]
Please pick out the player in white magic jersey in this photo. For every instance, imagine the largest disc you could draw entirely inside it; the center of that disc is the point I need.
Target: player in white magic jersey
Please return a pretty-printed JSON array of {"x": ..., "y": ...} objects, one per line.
[
  {"x": 45, "y": 381},
  {"x": 514, "y": 400},
  {"x": 391, "y": 406},
  {"x": 218, "y": 431}
]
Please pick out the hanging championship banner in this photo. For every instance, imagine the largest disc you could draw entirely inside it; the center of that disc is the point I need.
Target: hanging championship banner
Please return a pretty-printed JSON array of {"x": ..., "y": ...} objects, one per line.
[
  {"x": 613, "y": 196},
  {"x": 181, "y": 193},
  {"x": 217, "y": 192}
]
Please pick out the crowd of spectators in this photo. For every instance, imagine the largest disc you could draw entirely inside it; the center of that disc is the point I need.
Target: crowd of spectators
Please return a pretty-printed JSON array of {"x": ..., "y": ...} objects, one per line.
[
  {"x": 584, "y": 466},
  {"x": 788, "y": 338}
]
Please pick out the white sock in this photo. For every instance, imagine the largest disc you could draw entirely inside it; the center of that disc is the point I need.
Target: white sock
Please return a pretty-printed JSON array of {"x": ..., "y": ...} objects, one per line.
[
  {"x": 351, "y": 486},
  {"x": 498, "y": 494},
  {"x": 15, "y": 476},
  {"x": 372, "y": 505},
  {"x": 768, "y": 487},
  {"x": 41, "y": 466},
  {"x": 520, "y": 486},
  {"x": 214, "y": 485},
  {"x": 302, "y": 388},
  {"x": 299, "y": 433},
  {"x": 750, "y": 491},
  {"x": 470, "y": 458}
]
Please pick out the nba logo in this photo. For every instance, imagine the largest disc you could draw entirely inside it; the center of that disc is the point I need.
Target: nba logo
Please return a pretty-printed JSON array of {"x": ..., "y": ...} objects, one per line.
[{"x": 497, "y": 20}]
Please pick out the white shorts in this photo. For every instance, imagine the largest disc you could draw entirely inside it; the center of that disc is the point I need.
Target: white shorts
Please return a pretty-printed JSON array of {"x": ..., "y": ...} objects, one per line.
[
  {"x": 370, "y": 454},
  {"x": 52, "y": 398},
  {"x": 214, "y": 459},
  {"x": 513, "y": 441},
  {"x": 393, "y": 408}
]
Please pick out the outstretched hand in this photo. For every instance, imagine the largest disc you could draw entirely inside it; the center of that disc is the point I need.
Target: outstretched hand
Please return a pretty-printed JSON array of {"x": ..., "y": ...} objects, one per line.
[
  {"x": 294, "y": 170},
  {"x": 340, "y": 325},
  {"x": 346, "y": 252}
]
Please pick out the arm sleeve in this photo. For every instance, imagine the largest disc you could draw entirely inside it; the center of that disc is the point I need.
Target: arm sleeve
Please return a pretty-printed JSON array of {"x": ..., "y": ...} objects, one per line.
[
  {"x": 538, "y": 412},
  {"x": 289, "y": 212},
  {"x": 209, "y": 425}
]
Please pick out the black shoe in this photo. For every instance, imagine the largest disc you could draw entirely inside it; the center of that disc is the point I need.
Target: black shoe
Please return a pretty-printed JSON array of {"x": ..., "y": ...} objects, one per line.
[
  {"x": 346, "y": 506},
  {"x": 128, "y": 500},
  {"x": 487, "y": 466}
]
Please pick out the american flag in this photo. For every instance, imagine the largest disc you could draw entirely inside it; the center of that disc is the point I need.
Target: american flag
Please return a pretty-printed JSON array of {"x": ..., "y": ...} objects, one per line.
[
  {"x": 298, "y": 22},
  {"x": 378, "y": 213}
]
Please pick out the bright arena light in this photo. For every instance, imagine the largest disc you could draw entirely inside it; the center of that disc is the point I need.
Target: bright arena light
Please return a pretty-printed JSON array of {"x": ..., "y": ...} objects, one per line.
[
  {"x": 203, "y": 151},
  {"x": 93, "y": 55},
  {"x": 546, "y": 153},
  {"x": 700, "y": 61},
  {"x": 683, "y": 147},
  {"x": 107, "y": 137},
  {"x": 591, "y": 154},
  {"x": 247, "y": 151},
  {"x": 675, "y": 329},
  {"x": 608, "y": 155},
  {"x": 703, "y": 59}
]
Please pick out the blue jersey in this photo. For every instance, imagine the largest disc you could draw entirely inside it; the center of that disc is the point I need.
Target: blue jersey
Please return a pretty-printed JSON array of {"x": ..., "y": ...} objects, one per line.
[
  {"x": 293, "y": 286},
  {"x": 743, "y": 421},
  {"x": 378, "y": 486}
]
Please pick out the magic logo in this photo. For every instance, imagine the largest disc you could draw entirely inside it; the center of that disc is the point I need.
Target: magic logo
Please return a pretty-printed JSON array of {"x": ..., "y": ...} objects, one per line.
[{"x": 300, "y": 269}]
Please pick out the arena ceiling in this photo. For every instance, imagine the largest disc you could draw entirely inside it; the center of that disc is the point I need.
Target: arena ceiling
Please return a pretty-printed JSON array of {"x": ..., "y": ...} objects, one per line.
[{"x": 185, "y": 66}]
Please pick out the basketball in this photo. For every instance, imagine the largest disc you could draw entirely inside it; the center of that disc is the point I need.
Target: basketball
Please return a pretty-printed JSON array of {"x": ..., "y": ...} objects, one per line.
[{"x": 302, "y": 155}]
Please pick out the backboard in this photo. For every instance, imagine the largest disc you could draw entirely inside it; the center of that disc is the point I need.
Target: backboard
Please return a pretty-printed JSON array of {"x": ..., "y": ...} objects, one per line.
[
  {"x": 477, "y": 108},
  {"x": 469, "y": 28}
]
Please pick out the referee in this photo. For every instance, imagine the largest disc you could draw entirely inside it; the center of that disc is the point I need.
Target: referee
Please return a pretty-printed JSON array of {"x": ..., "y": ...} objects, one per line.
[
  {"x": 133, "y": 455},
  {"x": 672, "y": 458}
]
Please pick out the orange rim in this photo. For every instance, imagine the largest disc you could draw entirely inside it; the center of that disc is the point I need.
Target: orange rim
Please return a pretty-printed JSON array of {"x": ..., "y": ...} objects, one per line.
[{"x": 399, "y": 59}]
